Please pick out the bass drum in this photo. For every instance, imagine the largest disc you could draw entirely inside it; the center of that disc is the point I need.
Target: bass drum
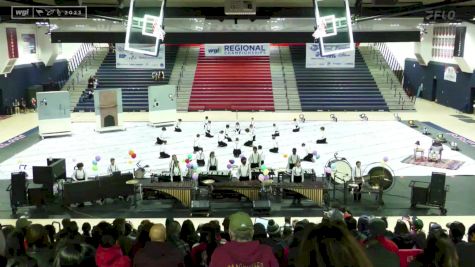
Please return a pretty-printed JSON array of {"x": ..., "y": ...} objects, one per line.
[
  {"x": 341, "y": 170},
  {"x": 380, "y": 172}
]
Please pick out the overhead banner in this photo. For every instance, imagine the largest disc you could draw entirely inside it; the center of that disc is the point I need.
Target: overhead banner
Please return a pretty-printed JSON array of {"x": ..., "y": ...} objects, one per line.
[
  {"x": 450, "y": 74},
  {"x": 12, "y": 43},
  {"x": 131, "y": 60},
  {"x": 314, "y": 58},
  {"x": 237, "y": 50}
]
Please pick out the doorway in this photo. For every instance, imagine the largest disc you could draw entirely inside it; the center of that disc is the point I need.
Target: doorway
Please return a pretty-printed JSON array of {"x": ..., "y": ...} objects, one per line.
[
  {"x": 434, "y": 89},
  {"x": 471, "y": 108}
]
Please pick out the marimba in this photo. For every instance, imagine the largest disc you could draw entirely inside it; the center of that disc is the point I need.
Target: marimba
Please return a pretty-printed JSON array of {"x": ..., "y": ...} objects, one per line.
[
  {"x": 181, "y": 191},
  {"x": 311, "y": 190},
  {"x": 249, "y": 189}
]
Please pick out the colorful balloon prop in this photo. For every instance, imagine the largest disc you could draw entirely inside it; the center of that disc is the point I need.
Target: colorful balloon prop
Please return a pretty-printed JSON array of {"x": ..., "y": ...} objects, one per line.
[
  {"x": 385, "y": 159},
  {"x": 231, "y": 161},
  {"x": 266, "y": 177},
  {"x": 131, "y": 152},
  {"x": 328, "y": 170},
  {"x": 265, "y": 172},
  {"x": 98, "y": 158},
  {"x": 229, "y": 166},
  {"x": 194, "y": 176},
  {"x": 188, "y": 165},
  {"x": 317, "y": 156},
  {"x": 130, "y": 161},
  {"x": 261, "y": 177},
  {"x": 285, "y": 156},
  {"x": 263, "y": 167},
  {"x": 95, "y": 168},
  {"x": 187, "y": 161},
  {"x": 94, "y": 162},
  {"x": 133, "y": 156},
  {"x": 190, "y": 156},
  {"x": 242, "y": 156},
  {"x": 315, "y": 153}
]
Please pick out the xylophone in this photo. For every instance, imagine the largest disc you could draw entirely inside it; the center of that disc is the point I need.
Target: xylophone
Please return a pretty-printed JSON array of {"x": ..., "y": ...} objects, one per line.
[
  {"x": 249, "y": 189},
  {"x": 181, "y": 191},
  {"x": 311, "y": 190}
]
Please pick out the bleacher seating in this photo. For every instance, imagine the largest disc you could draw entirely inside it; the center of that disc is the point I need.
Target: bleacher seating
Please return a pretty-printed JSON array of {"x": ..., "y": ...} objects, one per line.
[
  {"x": 134, "y": 82},
  {"x": 336, "y": 89},
  {"x": 232, "y": 83}
]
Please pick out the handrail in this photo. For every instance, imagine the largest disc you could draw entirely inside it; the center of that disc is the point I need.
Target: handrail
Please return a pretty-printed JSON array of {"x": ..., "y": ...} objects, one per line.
[
  {"x": 285, "y": 80},
  {"x": 390, "y": 59}
]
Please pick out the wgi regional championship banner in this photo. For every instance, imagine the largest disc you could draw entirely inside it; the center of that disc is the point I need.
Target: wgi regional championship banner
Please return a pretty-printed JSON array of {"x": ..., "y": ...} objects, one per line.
[
  {"x": 12, "y": 43},
  {"x": 237, "y": 50},
  {"x": 130, "y": 60},
  {"x": 314, "y": 58}
]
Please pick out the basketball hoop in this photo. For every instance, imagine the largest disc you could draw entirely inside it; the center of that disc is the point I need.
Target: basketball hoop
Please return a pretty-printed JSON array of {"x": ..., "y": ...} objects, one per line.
[
  {"x": 321, "y": 29},
  {"x": 156, "y": 24},
  {"x": 326, "y": 26}
]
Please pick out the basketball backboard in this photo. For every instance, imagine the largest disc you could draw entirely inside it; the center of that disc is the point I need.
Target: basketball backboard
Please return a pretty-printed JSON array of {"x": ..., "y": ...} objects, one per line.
[
  {"x": 144, "y": 31},
  {"x": 333, "y": 25}
]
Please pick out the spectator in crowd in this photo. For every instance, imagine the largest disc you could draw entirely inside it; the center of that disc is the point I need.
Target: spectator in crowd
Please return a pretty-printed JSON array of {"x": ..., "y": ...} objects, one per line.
[
  {"x": 275, "y": 241},
  {"x": 242, "y": 250},
  {"x": 188, "y": 233},
  {"x": 109, "y": 254},
  {"x": 351, "y": 224},
  {"x": 73, "y": 254},
  {"x": 143, "y": 236},
  {"x": 15, "y": 250},
  {"x": 320, "y": 242},
  {"x": 225, "y": 233},
  {"x": 33, "y": 103},
  {"x": 377, "y": 228},
  {"x": 377, "y": 246},
  {"x": 209, "y": 240},
  {"x": 402, "y": 238},
  {"x": 86, "y": 233},
  {"x": 387, "y": 233},
  {"x": 465, "y": 250},
  {"x": 418, "y": 234},
  {"x": 16, "y": 106},
  {"x": 173, "y": 237},
  {"x": 439, "y": 252},
  {"x": 157, "y": 252},
  {"x": 363, "y": 224},
  {"x": 38, "y": 245},
  {"x": 22, "y": 105}
]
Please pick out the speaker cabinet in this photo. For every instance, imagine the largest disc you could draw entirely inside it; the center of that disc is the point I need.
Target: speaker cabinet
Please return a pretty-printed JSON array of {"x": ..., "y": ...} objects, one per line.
[
  {"x": 18, "y": 189},
  {"x": 261, "y": 206},
  {"x": 437, "y": 189}
]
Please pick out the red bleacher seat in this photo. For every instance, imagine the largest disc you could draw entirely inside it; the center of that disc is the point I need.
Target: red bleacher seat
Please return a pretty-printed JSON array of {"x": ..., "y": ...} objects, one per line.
[{"x": 232, "y": 83}]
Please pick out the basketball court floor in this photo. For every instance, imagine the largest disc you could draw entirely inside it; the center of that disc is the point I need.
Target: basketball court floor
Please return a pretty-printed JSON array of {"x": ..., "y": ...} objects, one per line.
[{"x": 382, "y": 137}]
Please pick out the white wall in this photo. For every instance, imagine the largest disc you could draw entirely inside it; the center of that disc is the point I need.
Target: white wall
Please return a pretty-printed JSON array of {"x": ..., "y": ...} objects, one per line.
[
  {"x": 402, "y": 51},
  {"x": 469, "y": 50},
  {"x": 67, "y": 50}
]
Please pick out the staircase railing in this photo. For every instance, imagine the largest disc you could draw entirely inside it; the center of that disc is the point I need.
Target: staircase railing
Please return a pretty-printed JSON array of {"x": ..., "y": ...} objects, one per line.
[
  {"x": 82, "y": 59},
  {"x": 390, "y": 60},
  {"x": 180, "y": 79},
  {"x": 285, "y": 79}
]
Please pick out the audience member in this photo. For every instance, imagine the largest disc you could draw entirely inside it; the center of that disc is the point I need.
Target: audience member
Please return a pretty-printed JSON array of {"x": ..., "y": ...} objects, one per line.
[
  {"x": 352, "y": 227},
  {"x": 74, "y": 254},
  {"x": 242, "y": 251},
  {"x": 379, "y": 250},
  {"x": 15, "y": 250},
  {"x": 402, "y": 238},
  {"x": 38, "y": 246},
  {"x": 330, "y": 244},
  {"x": 108, "y": 253},
  {"x": 376, "y": 228},
  {"x": 419, "y": 235},
  {"x": 439, "y": 252},
  {"x": 188, "y": 233},
  {"x": 173, "y": 237},
  {"x": 157, "y": 252},
  {"x": 465, "y": 250}
]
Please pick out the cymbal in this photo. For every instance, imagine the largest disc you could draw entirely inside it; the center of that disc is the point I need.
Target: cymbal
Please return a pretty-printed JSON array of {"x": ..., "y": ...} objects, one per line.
[{"x": 208, "y": 181}]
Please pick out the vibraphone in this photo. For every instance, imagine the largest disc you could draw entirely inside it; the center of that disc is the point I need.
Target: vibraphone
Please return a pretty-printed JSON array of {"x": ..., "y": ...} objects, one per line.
[
  {"x": 284, "y": 175},
  {"x": 249, "y": 189},
  {"x": 181, "y": 191},
  {"x": 217, "y": 176},
  {"x": 311, "y": 190}
]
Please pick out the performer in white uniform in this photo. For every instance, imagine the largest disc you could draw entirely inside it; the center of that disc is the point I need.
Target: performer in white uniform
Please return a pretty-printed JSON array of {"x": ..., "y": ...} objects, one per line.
[
  {"x": 226, "y": 133},
  {"x": 255, "y": 159},
  {"x": 221, "y": 138},
  {"x": 79, "y": 173},
  {"x": 276, "y": 130},
  {"x": 205, "y": 122},
  {"x": 208, "y": 130},
  {"x": 297, "y": 177},
  {"x": 275, "y": 147},
  {"x": 237, "y": 128},
  {"x": 212, "y": 162},
  {"x": 261, "y": 154},
  {"x": 177, "y": 126},
  {"x": 200, "y": 158},
  {"x": 244, "y": 171},
  {"x": 323, "y": 138},
  {"x": 296, "y": 126},
  {"x": 357, "y": 179},
  {"x": 175, "y": 170},
  {"x": 293, "y": 159},
  {"x": 162, "y": 138},
  {"x": 197, "y": 143},
  {"x": 309, "y": 156},
  {"x": 249, "y": 138},
  {"x": 237, "y": 148},
  {"x": 112, "y": 167},
  {"x": 253, "y": 132},
  {"x": 163, "y": 153}
]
